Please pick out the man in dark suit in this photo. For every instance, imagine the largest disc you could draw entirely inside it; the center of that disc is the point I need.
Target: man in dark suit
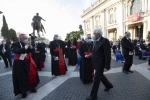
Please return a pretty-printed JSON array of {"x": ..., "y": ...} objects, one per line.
[
  {"x": 38, "y": 54},
  {"x": 138, "y": 52},
  {"x": 127, "y": 51},
  {"x": 101, "y": 59},
  {"x": 5, "y": 53}
]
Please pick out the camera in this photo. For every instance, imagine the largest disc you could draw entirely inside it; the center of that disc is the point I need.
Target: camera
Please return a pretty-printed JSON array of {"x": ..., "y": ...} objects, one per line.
[{"x": 32, "y": 36}]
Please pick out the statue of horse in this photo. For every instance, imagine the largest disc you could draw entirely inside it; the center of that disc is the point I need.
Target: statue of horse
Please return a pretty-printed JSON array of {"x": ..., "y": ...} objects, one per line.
[{"x": 38, "y": 27}]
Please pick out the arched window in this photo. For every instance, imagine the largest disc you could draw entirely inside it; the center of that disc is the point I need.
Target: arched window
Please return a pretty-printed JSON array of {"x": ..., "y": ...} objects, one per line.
[{"x": 136, "y": 6}]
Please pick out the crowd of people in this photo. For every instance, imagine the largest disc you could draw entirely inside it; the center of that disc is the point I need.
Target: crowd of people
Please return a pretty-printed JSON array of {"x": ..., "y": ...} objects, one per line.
[{"x": 95, "y": 52}]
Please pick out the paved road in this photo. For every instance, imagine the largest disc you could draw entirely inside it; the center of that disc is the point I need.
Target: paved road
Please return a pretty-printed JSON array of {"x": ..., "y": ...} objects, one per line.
[{"x": 134, "y": 86}]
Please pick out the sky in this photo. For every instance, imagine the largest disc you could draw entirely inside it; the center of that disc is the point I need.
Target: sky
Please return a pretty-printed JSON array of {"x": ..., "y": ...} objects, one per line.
[{"x": 62, "y": 16}]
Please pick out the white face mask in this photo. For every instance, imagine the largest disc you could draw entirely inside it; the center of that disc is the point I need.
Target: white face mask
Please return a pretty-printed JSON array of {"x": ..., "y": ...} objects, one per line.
[
  {"x": 71, "y": 37},
  {"x": 4, "y": 42},
  {"x": 36, "y": 41},
  {"x": 25, "y": 41},
  {"x": 93, "y": 37}
]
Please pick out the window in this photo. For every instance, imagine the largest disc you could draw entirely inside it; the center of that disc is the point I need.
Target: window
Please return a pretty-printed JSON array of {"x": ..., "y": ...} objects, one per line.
[
  {"x": 136, "y": 6},
  {"x": 111, "y": 18}
]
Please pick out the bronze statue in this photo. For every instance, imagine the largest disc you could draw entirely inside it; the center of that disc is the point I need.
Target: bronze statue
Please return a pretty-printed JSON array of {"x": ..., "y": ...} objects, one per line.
[{"x": 37, "y": 25}]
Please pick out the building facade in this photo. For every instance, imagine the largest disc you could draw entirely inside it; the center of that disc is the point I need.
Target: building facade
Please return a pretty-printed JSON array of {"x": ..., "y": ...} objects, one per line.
[{"x": 115, "y": 17}]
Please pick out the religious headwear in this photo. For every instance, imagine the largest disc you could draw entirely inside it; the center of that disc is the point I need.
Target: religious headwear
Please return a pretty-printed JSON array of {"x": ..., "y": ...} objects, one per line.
[{"x": 22, "y": 34}]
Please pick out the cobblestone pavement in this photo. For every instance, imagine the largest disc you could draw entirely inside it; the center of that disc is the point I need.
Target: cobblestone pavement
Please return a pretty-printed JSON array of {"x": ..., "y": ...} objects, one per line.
[
  {"x": 134, "y": 86},
  {"x": 126, "y": 87}
]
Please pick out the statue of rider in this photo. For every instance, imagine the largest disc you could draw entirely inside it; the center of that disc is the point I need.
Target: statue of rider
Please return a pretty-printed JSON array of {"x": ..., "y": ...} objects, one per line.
[{"x": 37, "y": 19}]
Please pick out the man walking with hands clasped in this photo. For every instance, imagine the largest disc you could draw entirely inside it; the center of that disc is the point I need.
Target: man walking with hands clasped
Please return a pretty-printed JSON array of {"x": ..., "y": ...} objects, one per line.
[{"x": 101, "y": 58}]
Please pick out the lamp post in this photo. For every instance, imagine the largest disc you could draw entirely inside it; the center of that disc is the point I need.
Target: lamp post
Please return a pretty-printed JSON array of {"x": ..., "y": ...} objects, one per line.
[{"x": 139, "y": 31}]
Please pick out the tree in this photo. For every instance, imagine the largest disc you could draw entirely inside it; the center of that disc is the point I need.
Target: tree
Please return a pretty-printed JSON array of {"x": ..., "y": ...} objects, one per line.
[
  {"x": 4, "y": 29},
  {"x": 12, "y": 35},
  {"x": 148, "y": 36},
  {"x": 76, "y": 34}
]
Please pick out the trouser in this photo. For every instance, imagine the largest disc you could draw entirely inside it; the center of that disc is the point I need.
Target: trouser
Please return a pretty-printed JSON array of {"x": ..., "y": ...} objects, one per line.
[
  {"x": 99, "y": 76},
  {"x": 139, "y": 54},
  {"x": 5, "y": 57},
  {"x": 128, "y": 62}
]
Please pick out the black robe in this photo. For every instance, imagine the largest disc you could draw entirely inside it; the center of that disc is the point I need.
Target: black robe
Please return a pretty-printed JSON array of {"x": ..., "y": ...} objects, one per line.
[
  {"x": 20, "y": 71},
  {"x": 66, "y": 50},
  {"x": 72, "y": 53},
  {"x": 39, "y": 57},
  {"x": 55, "y": 63},
  {"x": 86, "y": 70}
]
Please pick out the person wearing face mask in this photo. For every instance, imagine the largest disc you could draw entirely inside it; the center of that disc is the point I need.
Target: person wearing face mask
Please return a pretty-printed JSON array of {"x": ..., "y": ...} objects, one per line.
[
  {"x": 127, "y": 51},
  {"x": 86, "y": 70},
  {"x": 138, "y": 49},
  {"x": 38, "y": 55},
  {"x": 24, "y": 72},
  {"x": 5, "y": 53},
  {"x": 66, "y": 48},
  {"x": 101, "y": 58},
  {"x": 57, "y": 51},
  {"x": 143, "y": 46},
  {"x": 72, "y": 51}
]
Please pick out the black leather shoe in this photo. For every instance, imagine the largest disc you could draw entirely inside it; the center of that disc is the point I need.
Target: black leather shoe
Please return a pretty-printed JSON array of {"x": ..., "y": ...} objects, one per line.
[
  {"x": 107, "y": 89},
  {"x": 24, "y": 95},
  {"x": 33, "y": 90},
  {"x": 126, "y": 72},
  {"x": 6, "y": 67},
  {"x": 130, "y": 71},
  {"x": 90, "y": 98}
]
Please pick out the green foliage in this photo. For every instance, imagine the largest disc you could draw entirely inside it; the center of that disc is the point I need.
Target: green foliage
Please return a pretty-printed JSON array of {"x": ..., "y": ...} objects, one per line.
[
  {"x": 76, "y": 34},
  {"x": 9, "y": 35},
  {"x": 12, "y": 35},
  {"x": 148, "y": 36},
  {"x": 4, "y": 29}
]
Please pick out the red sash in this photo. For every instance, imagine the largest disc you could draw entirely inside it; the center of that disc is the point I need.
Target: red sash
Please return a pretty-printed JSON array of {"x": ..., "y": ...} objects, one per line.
[
  {"x": 32, "y": 72},
  {"x": 71, "y": 45},
  {"x": 42, "y": 64},
  {"x": 61, "y": 60},
  {"x": 87, "y": 53}
]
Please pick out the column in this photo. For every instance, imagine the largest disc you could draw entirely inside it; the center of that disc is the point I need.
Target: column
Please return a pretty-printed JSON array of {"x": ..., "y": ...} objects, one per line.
[
  {"x": 146, "y": 2},
  {"x": 114, "y": 15},
  {"x": 133, "y": 34},
  {"x": 117, "y": 33},
  {"x": 84, "y": 26},
  {"x": 143, "y": 6},
  {"x": 126, "y": 14},
  {"x": 144, "y": 30},
  {"x": 126, "y": 28}
]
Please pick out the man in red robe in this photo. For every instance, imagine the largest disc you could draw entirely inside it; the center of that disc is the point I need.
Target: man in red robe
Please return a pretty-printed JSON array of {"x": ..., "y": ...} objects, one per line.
[
  {"x": 24, "y": 72},
  {"x": 57, "y": 50}
]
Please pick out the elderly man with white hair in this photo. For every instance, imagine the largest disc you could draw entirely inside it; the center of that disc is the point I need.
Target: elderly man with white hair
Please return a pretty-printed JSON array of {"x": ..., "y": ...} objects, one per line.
[
  {"x": 127, "y": 51},
  {"x": 101, "y": 58},
  {"x": 57, "y": 50}
]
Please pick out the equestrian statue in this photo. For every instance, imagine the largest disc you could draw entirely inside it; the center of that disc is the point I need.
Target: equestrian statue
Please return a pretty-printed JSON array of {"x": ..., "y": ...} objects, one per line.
[{"x": 37, "y": 25}]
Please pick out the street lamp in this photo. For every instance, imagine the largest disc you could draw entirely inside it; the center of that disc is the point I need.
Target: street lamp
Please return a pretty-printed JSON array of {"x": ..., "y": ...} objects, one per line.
[
  {"x": 139, "y": 31},
  {"x": 1, "y": 12}
]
